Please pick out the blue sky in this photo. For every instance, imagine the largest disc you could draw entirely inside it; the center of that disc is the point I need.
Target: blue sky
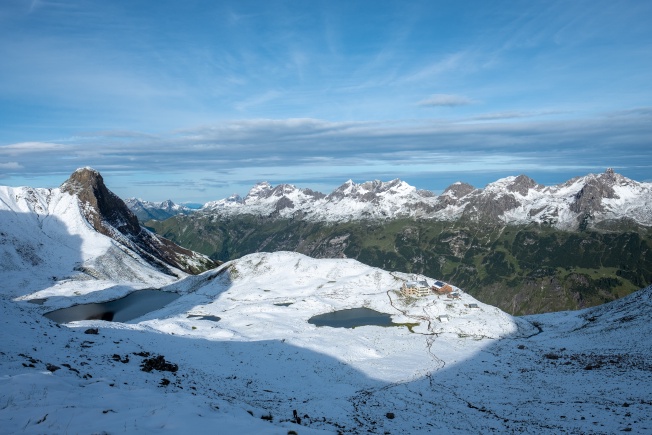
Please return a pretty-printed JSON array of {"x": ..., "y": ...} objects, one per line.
[{"x": 196, "y": 100}]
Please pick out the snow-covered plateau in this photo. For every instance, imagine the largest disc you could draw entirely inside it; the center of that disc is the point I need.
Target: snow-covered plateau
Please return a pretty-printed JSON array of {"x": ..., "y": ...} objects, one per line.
[{"x": 448, "y": 365}]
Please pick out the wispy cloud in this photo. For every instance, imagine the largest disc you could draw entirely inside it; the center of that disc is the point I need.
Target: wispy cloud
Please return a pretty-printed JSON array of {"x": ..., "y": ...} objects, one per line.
[
  {"x": 263, "y": 142},
  {"x": 495, "y": 116},
  {"x": 30, "y": 148},
  {"x": 257, "y": 100},
  {"x": 284, "y": 150},
  {"x": 429, "y": 71},
  {"x": 445, "y": 100},
  {"x": 638, "y": 111}
]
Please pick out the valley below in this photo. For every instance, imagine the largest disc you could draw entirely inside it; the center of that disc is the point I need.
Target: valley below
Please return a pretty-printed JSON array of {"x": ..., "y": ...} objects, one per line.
[
  {"x": 521, "y": 269},
  {"x": 515, "y": 244}
]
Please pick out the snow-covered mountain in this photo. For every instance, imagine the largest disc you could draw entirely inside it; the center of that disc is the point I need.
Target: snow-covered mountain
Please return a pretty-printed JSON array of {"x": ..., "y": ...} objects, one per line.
[
  {"x": 146, "y": 210},
  {"x": 82, "y": 230},
  {"x": 350, "y": 201},
  {"x": 236, "y": 352},
  {"x": 582, "y": 201},
  {"x": 239, "y": 355}
]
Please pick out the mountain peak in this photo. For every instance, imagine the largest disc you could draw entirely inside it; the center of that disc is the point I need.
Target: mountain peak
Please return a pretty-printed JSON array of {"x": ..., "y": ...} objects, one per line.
[
  {"x": 109, "y": 215},
  {"x": 611, "y": 178},
  {"x": 81, "y": 179},
  {"x": 522, "y": 184},
  {"x": 458, "y": 190},
  {"x": 370, "y": 190},
  {"x": 260, "y": 190},
  {"x": 101, "y": 205}
]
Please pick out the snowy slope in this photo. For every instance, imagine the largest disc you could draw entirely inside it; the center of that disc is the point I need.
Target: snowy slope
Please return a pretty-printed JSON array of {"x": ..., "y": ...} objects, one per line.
[
  {"x": 46, "y": 244},
  {"x": 513, "y": 200},
  {"x": 81, "y": 238},
  {"x": 483, "y": 370}
]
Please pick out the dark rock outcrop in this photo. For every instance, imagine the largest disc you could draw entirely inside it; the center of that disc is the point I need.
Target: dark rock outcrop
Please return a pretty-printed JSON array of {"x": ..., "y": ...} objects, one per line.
[
  {"x": 588, "y": 201},
  {"x": 490, "y": 207},
  {"x": 109, "y": 215},
  {"x": 104, "y": 210},
  {"x": 522, "y": 184}
]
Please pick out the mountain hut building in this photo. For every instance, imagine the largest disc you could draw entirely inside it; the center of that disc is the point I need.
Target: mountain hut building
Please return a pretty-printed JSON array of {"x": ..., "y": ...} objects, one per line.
[
  {"x": 441, "y": 288},
  {"x": 415, "y": 288}
]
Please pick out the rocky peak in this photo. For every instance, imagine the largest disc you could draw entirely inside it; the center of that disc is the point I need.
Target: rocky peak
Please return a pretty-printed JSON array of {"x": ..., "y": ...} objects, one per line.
[
  {"x": 99, "y": 205},
  {"x": 313, "y": 193},
  {"x": 371, "y": 186},
  {"x": 609, "y": 178},
  {"x": 458, "y": 190},
  {"x": 369, "y": 191},
  {"x": 133, "y": 203},
  {"x": 168, "y": 205},
  {"x": 342, "y": 191},
  {"x": 282, "y": 190},
  {"x": 522, "y": 184},
  {"x": 596, "y": 188},
  {"x": 378, "y": 186},
  {"x": 235, "y": 198},
  {"x": 109, "y": 215},
  {"x": 588, "y": 199},
  {"x": 260, "y": 190}
]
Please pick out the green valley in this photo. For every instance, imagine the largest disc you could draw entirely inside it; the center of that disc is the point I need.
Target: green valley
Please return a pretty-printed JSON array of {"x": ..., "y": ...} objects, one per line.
[{"x": 521, "y": 269}]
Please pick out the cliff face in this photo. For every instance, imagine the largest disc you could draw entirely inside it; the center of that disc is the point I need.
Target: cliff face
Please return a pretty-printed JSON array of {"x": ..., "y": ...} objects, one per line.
[
  {"x": 103, "y": 209},
  {"x": 109, "y": 215}
]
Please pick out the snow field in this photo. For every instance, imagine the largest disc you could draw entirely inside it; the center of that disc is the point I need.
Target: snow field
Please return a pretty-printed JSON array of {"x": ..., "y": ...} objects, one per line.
[{"x": 572, "y": 372}]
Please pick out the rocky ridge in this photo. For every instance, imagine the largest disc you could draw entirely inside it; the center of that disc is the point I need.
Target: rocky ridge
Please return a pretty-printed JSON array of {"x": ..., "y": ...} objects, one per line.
[{"x": 575, "y": 204}]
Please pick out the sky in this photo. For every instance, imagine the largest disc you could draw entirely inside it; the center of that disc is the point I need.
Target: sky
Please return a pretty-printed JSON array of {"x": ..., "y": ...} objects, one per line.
[{"x": 196, "y": 100}]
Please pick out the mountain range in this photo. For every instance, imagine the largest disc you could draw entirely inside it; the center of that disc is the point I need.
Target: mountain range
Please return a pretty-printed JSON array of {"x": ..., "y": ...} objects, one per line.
[
  {"x": 238, "y": 349},
  {"x": 590, "y": 200},
  {"x": 146, "y": 210},
  {"x": 515, "y": 244}
]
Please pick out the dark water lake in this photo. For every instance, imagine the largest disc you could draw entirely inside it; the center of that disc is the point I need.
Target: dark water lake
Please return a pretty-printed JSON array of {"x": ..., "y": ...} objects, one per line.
[
  {"x": 352, "y": 318},
  {"x": 284, "y": 304},
  {"x": 130, "y": 307}
]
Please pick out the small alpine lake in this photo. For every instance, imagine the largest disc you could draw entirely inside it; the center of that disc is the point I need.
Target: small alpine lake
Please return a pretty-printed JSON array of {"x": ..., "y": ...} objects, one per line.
[
  {"x": 352, "y": 318},
  {"x": 127, "y": 308}
]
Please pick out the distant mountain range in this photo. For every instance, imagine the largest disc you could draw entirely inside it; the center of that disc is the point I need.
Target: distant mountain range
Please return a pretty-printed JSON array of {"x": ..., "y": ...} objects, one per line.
[
  {"x": 580, "y": 202},
  {"x": 516, "y": 244},
  {"x": 146, "y": 210}
]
